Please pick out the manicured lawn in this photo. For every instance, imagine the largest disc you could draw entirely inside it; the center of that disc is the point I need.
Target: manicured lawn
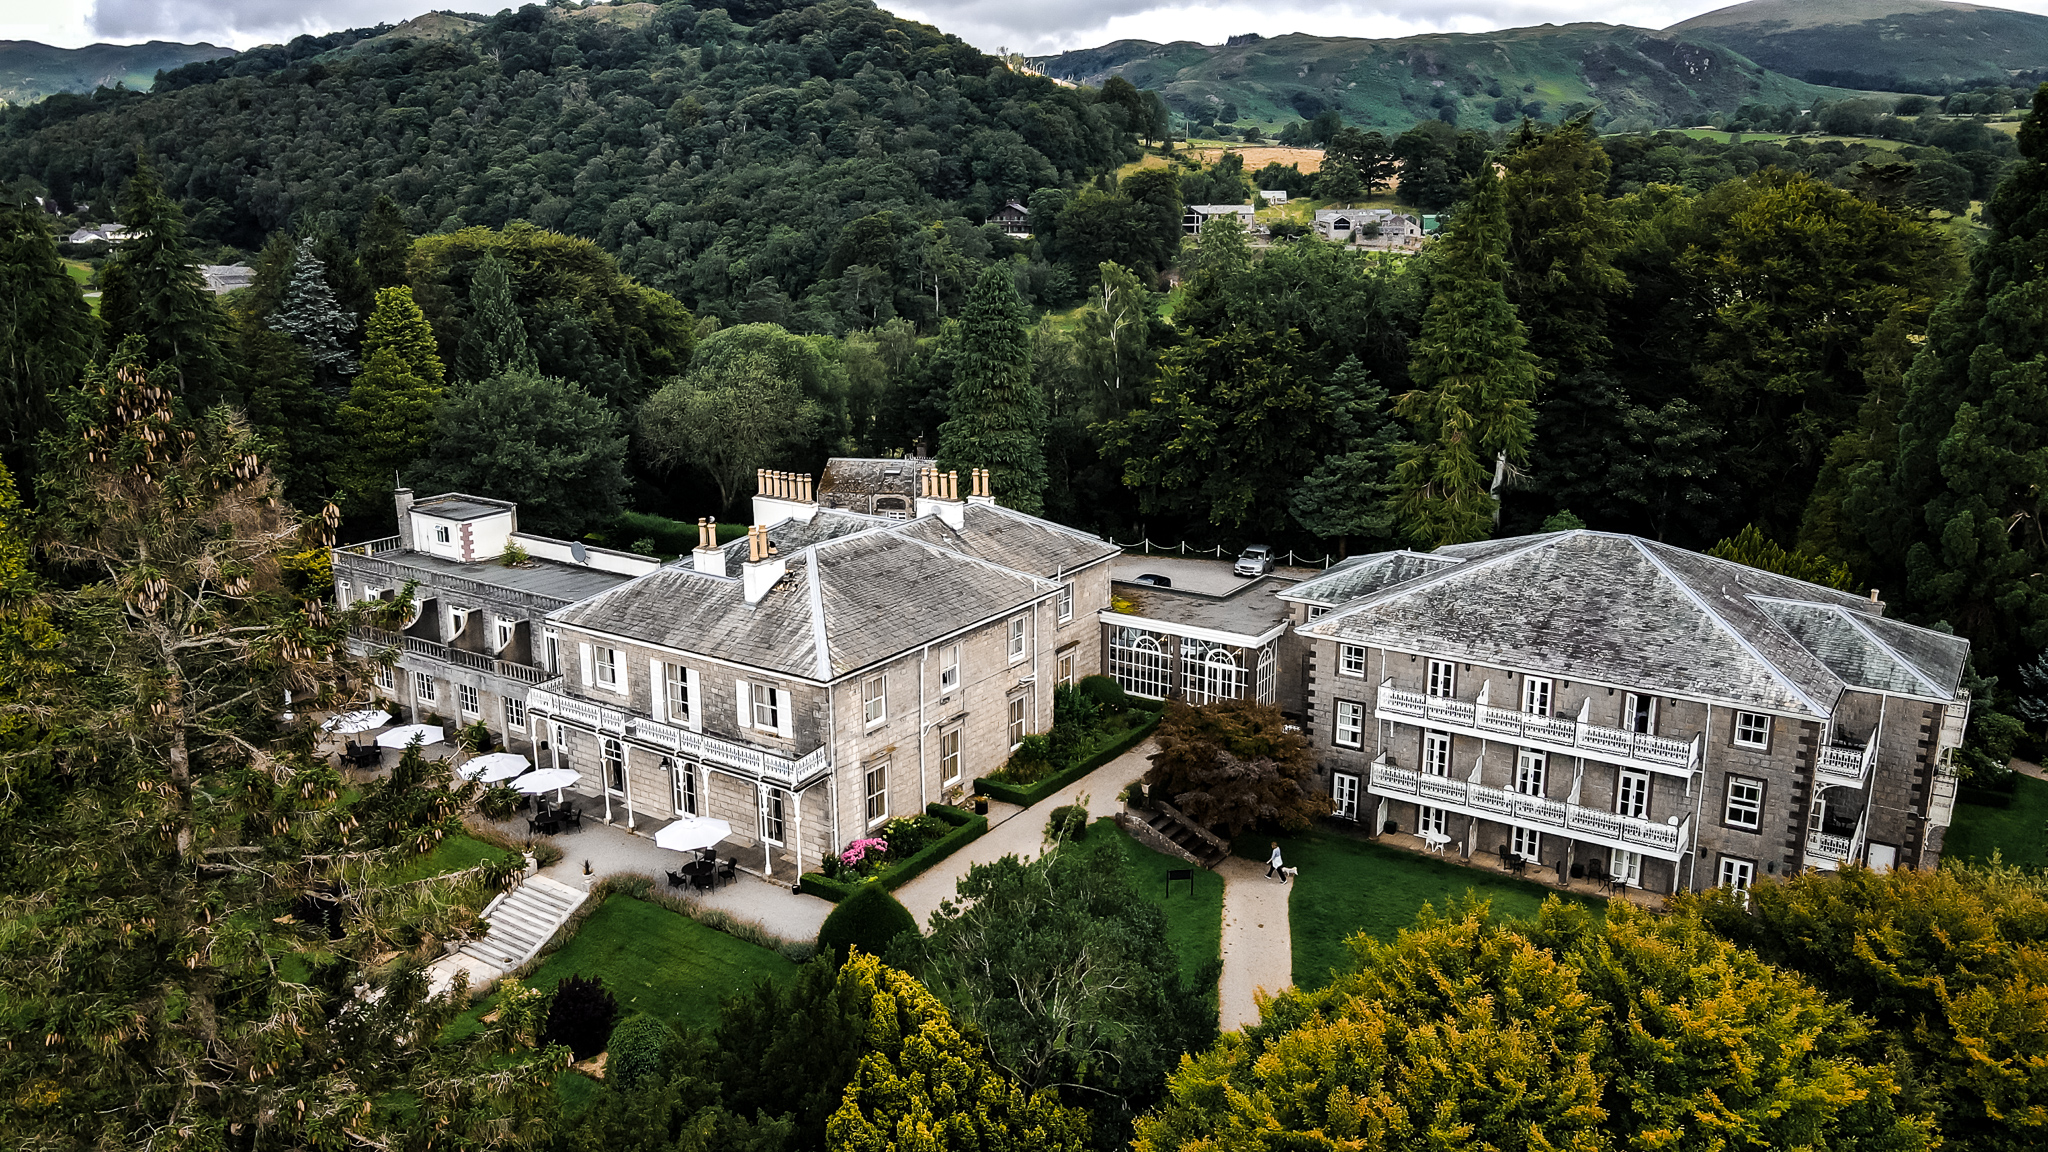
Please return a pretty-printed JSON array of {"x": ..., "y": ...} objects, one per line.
[
  {"x": 1347, "y": 886},
  {"x": 453, "y": 854},
  {"x": 1194, "y": 923},
  {"x": 2019, "y": 834},
  {"x": 661, "y": 962}
]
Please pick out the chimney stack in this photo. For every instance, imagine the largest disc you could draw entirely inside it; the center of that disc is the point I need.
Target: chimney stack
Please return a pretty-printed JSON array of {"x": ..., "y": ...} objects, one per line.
[
  {"x": 403, "y": 499},
  {"x": 763, "y": 568},
  {"x": 939, "y": 495},
  {"x": 707, "y": 558},
  {"x": 780, "y": 496},
  {"x": 984, "y": 487}
]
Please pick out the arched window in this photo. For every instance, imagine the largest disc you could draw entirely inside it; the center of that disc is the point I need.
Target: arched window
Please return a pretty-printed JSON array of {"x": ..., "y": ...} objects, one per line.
[
  {"x": 1137, "y": 662},
  {"x": 1268, "y": 670},
  {"x": 1209, "y": 674}
]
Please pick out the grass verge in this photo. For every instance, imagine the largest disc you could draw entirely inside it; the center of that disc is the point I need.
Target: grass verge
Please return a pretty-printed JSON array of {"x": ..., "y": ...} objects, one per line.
[
  {"x": 453, "y": 854},
  {"x": 2018, "y": 833},
  {"x": 1349, "y": 885},
  {"x": 1194, "y": 921}
]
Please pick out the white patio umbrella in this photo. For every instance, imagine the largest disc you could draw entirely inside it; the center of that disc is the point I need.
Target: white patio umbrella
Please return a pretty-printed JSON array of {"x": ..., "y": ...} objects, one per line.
[
  {"x": 351, "y": 723},
  {"x": 405, "y": 734},
  {"x": 547, "y": 780},
  {"x": 494, "y": 767},
  {"x": 691, "y": 833}
]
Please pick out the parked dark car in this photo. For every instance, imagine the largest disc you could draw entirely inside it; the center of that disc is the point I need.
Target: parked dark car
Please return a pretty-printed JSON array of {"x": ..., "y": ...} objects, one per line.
[{"x": 1154, "y": 579}]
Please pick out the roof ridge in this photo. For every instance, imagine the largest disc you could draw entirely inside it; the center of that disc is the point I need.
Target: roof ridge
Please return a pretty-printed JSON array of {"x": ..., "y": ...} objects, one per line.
[
  {"x": 1427, "y": 579},
  {"x": 1052, "y": 524},
  {"x": 821, "y": 644},
  {"x": 1735, "y": 634},
  {"x": 1856, "y": 621}
]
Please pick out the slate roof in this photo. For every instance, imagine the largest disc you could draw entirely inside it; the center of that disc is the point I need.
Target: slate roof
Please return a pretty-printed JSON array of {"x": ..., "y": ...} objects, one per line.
[
  {"x": 1624, "y": 610},
  {"x": 869, "y": 476},
  {"x": 845, "y": 603},
  {"x": 1364, "y": 575},
  {"x": 540, "y": 577},
  {"x": 1012, "y": 539}
]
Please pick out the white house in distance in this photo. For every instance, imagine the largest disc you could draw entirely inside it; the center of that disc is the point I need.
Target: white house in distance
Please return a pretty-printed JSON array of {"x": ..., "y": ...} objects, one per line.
[
  {"x": 1369, "y": 227},
  {"x": 1200, "y": 214},
  {"x": 1277, "y": 196}
]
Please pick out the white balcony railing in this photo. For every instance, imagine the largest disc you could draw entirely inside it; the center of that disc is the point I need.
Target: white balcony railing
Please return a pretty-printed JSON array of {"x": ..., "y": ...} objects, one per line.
[
  {"x": 1666, "y": 841},
  {"x": 1839, "y": 767},
  {"x": 1562, "y": 733},
  {"x": 367, "y": 637},
  {"x": 772, "y": 766}
]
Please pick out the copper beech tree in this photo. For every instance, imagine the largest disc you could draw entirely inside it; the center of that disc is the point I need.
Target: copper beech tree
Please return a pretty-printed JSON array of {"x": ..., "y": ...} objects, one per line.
[
  {"x": 164, "y": 818},
  {"x": 1233, "y": 764}
]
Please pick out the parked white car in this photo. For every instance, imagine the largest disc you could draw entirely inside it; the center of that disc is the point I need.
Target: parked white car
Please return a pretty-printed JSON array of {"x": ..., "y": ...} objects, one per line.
[{"x": 1255, "y": 560}]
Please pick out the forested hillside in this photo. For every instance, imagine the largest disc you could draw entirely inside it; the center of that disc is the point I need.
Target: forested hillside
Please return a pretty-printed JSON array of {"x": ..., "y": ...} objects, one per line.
[
  {"x": 30, "y": 71},
  {"x": 1895, "y": 45},
  {"x": 717, "y": 152}
]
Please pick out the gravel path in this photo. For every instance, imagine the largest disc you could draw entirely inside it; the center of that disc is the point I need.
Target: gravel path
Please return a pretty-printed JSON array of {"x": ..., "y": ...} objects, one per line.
[{"x": 1258, "y": 949}]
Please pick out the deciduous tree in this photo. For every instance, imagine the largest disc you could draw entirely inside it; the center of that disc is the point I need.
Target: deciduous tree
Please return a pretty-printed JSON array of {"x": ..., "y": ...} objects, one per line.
[
  {"x": 1235, "y": 763},
  {"x": 731, "y": 422}
]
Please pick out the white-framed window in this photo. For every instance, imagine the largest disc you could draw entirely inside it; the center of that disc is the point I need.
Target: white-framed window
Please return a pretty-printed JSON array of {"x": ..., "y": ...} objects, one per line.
[
  {"x": 1016, "y": 721},
  {"x": 554, "y": 648},
  {"x": 1745, "y": 804},
  {"x": 441, "y": 535},
  {"x": 1344, "y": 795},
  {"x": 874, "y": 701},
  {"x": 949, "y": 756},
  {"x": 1735, "y": 873},
  {"x": 1350, "y": 730},
  {"x": 423, "y": 688},
  {"x": 1639, "y": 713},
  {"x": 465, "y": 699},
  {"x": 1066, "y": 602},
  {"x": 1752, "y": 730},
  {"x": 1209, "y": 674},
  {"x": 1428, "y": 819},
  {"x": 771, "y": 816},
  {"x": 685, "y": 787},
  {"x": 1536, "y": 695},
  {"x": 505, "y": 627},
  {"x": 680, "y": 700},
  {"x": 515, "y": 713},
  {"x": 949, "y": 668},
  {"x": 763, "y": 707},
  {"x": 1351, "y": 659},
  {"x": 767, "y": 707},
  {"x": 607, "y": 664},
  {"x": 1067, "y": 669},
  {"x": 1530, "y": 770},
  {"x": 878, "y": 793},
  {"x": 1016, "y": 638},
  {"x": 1436, "y": 753},
  {"x": 1632, "y": 794},
  {"x": 1315, "y": 611},
  {"x": 1137, "y": 663},
  {"x": 1443, "y": 678},
  {"x": 614, "y": 755},
  {"x": 1269, "y": 675},
  {"x": 1626, "y": 867},
  {"x": 386, "y": 680},
  {"x": 1527, "y": 843}
]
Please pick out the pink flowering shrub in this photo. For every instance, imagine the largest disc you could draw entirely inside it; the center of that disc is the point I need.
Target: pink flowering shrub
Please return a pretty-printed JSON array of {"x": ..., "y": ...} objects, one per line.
[{"x": 858, "y": 852}]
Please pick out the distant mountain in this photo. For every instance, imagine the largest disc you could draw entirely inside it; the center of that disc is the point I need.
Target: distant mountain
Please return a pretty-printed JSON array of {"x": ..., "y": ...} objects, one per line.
[
  {"x": 1634, "y": 74},
  {"x": 1896, "y": 45},
  {"x": 30, "y": 71}
]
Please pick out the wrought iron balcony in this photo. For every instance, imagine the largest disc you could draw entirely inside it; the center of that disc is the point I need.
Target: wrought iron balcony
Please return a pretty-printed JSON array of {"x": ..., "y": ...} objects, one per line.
[
  {"x": 1574, "y": 737},
  {"x": 772, "y": 766},
  {"x": 1666, "y": 841}
]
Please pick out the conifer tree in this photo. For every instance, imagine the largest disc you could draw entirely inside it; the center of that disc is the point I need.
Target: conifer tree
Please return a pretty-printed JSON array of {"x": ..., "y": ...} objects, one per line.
[
  {"x": 1473, "y": 405},
  {"x": 998, "y": 414},
  {"x": 493, "y": 337},
  {"x": 1562, "y": 240},
  {"x": 47, "y": 334},
  {"x": 152, "y": 289},
  {"x": 383, "y": 245},
  {"x": 311, "y": 317},
  {"x": 1345, "y": 494},
  {"x": 1957, "y": 515},
  {"x": 388, "y": 417}
]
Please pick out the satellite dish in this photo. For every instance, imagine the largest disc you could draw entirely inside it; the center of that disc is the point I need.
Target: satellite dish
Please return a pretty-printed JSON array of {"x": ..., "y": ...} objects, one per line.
[{"x": 578, "y": 552}]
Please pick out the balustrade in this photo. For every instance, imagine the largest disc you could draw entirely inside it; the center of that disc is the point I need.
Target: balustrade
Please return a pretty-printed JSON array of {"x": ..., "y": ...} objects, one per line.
[
  {"x": 1666, "y": 841},
  {"x": 1661, "y": 753}
]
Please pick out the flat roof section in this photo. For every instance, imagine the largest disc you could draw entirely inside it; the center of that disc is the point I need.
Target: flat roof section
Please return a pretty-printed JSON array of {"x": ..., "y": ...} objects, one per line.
[
  {"x": 460, "y": 508},
  {"x": 1210, "y": 577},
  {"x": 536, "y": 577},
  {"x": 1204, "y": 595}
]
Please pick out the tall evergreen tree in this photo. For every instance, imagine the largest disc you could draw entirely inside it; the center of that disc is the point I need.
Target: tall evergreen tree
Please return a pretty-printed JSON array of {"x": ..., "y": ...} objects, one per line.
[
  {"x": 1344, "y": 496},
  {"x": 152, "y": 289},
  {"x": 998, "y": 415},
  {"x": 493, "y": 337},
  {"x": 47, "y": 334},
  {"x": 388, "y": 416},
  {"x": 311, "y": 317},
  {"x": 383, "y": 245},
  {"x": 1562, "y": 240},
  {"x": 1473, "y": 407},
  {"x": 1957, "y": 515}
]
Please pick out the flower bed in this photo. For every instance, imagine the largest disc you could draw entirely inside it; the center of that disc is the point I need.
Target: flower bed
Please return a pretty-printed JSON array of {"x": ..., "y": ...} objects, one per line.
[
  {"x": 1118, "y": 744},
  {"x": 955, "y": 827}
]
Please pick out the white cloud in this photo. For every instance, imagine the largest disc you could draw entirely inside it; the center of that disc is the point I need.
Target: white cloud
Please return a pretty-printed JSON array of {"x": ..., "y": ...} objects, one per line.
[{"x": 237, "y": 23}]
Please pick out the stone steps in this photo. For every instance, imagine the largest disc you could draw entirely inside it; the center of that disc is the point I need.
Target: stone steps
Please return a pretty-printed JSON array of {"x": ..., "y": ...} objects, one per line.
[
  {"x": 521, "y": 921},
  {"x": 1184, "y": 836}
]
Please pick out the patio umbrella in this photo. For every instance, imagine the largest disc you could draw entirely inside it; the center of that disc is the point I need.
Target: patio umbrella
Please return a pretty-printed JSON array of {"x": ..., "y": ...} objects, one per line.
[
  {"x": 494, "y": 767},
  {"x": 547, "y": 780},
  {"x": 691, "y": 833},
  {"x": 351, "y": 723},
  {"x": 405, "y": 734}
]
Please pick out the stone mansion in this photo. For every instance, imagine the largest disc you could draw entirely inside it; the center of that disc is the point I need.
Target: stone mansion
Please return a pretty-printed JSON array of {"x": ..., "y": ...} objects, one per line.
[{"x": 1679, "y": 721}]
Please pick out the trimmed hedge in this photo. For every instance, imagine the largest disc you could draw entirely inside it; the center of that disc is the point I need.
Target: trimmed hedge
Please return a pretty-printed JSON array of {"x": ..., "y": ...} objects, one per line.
[
  {"x": 1028, "y": 795},
  {"x": 966, "y": 828}
]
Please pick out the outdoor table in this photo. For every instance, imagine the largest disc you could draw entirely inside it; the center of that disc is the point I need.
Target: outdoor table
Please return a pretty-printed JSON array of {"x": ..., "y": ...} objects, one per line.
[{"x": 1435, "y": 841}]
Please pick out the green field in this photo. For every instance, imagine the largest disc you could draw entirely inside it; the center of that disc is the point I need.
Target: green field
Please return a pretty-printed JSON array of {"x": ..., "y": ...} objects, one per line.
[
  {"x": 1194, "y": 922},
  {"x": 1347, "y": 886},
  {"x": 2019, "y": 834},
  {"x": 453, "y": 854}
]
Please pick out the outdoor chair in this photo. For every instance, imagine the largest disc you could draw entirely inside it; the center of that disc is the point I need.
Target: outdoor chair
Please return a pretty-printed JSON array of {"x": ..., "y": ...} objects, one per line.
[
  {"x": 704, "y": 879},
  {"x": 546, "y": 824},
  {"x": 568, "y": 814},
  {"x": 731, "y": 870},
  {"x": 1596, "y": 871},
  {"x": 675, "y": 880}
]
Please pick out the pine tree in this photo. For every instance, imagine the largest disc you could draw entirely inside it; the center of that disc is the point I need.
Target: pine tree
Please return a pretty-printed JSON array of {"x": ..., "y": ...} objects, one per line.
[
  {"x": 998, "y": 415},
  {"x": 1346, "y": 493},
  {"x": 1562, "y": 240},
  {"x": 1473, "y": 405},
  {"x": 47, "y": 333},
  {"x": 389, "y": 416},
  {"x": 309, "y": 315},
  {"x": 152, "y": 289},
  {"x": 383, "y": 245},
  {"x": 397, "y": 324},
  {"x": 1960, "y": 514},
  {"x": 493, "y": 337}
]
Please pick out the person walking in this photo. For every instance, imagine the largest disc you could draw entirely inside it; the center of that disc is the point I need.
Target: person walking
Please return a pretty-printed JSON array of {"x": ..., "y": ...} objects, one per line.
[{"x": 1273, "y": 864}]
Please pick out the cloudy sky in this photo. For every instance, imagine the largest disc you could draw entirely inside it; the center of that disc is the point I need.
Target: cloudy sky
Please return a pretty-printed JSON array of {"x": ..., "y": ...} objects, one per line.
[{"x": 1046, "y": 26}]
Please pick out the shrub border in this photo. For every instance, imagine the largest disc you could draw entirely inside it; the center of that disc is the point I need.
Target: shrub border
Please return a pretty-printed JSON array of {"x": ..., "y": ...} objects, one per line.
[
  {"x": 1031, "y": 794},
  {"x": 967, "y": 827}
]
